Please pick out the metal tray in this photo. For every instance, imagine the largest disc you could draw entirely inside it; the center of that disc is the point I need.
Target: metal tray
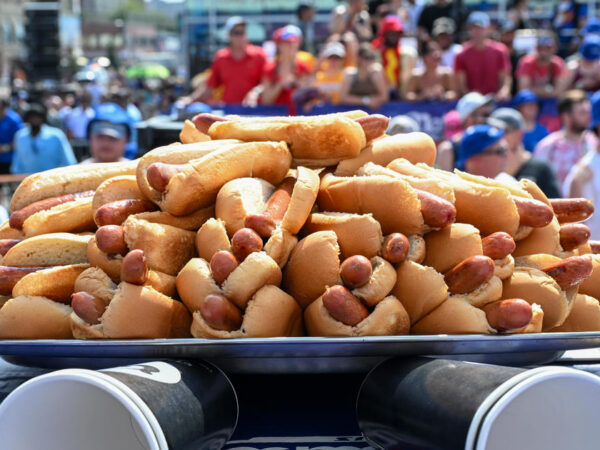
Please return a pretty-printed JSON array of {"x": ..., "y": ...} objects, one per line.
[{"x": 300, "y": 354}]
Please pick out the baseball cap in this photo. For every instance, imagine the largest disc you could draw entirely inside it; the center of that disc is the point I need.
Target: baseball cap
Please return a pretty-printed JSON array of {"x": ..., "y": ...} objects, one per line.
[
  {"x": 391, "y": 23},
  {"x": 509, "y": 117},
  {"x": 524, "y": 96},
  {"x": 443, "y": 25},
  {"x": 110, "y": 119},
  {"x": 334, "y": 49},
  {"x": 115, "y": 130},
  {"x": 479, "y": 18},
  {"x": 508, "y": 25},
  {"x": 470, "y": 102},
  {"x": 592, "y": 26},
  {"x": 590, "y": 47},
  {"x": 289, "y": 33},
  {"x": 402, "y": 124},
  {"x": 475, "y": 140},
  {"x": 234, "y": 21},
  {"x": 595, "y": 101}
]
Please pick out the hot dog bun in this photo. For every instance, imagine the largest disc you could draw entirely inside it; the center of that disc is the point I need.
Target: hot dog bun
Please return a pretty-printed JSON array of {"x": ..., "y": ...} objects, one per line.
[
  {"x": 191, "y": 222},
  {"x": 544, "y": 240},
  {"x": 454, "y": 316},
  {"x": 31, "y": 317},
  {"x": 451, "y": 245},
  {"x": 591, "y": 286},
  {"x": 56, "y": 283},
  {"x": 380, "y": 283},
  {"x": 584, "y": 316},
  {"x": 53, "y": 249},
  {"x": 488, "y": 292},
  {"x": 280, "y": 245},
  {"x": 6, "y": 232},
  {"x": 123, "y": 187},
  {"x": 212, "y": 237}
]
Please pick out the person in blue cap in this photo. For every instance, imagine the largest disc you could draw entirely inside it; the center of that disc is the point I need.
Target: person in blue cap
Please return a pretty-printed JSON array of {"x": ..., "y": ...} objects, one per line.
[
  {"x": 527, "y": 103},
  {"x": 108, "y": 134},
  {"x": 584, "y": 71},
  {"x": 482, "y": 151}
]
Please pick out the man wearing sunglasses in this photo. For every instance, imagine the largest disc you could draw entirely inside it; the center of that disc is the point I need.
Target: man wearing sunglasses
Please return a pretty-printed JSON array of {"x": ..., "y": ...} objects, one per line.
[{"x": 483, "y": 151}]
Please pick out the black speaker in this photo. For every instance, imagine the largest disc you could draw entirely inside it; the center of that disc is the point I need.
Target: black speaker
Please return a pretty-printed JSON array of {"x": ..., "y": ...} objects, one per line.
[{"x": 42, "y": 40}]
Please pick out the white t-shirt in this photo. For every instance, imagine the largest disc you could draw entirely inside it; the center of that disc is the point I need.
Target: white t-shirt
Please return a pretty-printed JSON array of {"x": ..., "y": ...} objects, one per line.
[{"x": 591, "y": 190}]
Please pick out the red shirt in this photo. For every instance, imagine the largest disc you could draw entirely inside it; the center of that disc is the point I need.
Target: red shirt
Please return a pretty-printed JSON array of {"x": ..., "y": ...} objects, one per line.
[
  {"x": 540, "y": 75},
  {"x": 285, "y": 95},
  {"x": 482, "y": 66},
  {"x": 237, "y": 76}
]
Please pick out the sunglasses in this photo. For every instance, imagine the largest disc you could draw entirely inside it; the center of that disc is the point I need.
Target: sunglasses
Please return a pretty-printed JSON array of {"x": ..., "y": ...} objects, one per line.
[
  {"x": 500, "y": 151},
  {"x": 239, "y": 32}
]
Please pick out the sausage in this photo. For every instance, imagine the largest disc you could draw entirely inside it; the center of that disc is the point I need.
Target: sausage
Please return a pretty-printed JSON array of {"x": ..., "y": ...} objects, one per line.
[
  {"x": 595, "y": 246},
  {"x": 18, "y": 217},
  {"x": 7, "y": 244},
  {"x": 115, "y": 213},
  {"x": 10, "y": 275},
  {"x": 111, "y": 240},
  {"x": 569, "y": 210},
  {"x": 570, "y": 271},
  {"x": 343, "y": 306},
  {"x": 276, "y": 207},
  {"x": 533, "y": 213},
  {"x": 88, "y": 307},
  {"x": 436, "y": 211},
  {"x": 219, "y": 313},
  {"x": 159, "y": 174},
  {"x": 468, "y": 275},
  {"x": 508, "y": 314},
  {"x": 572, "y": 235},
  {"x": 498, "y": 245},
  {"x": 374, "y": 125},
  {"x": 244, "y": 242},
  {"x": 203, "y": 121},
  {"x": 356, "y": 271},
  {"x": 395, "y": 248},
  {"x": 134, "y": 268},
  {"x": 222, "y": 264}
]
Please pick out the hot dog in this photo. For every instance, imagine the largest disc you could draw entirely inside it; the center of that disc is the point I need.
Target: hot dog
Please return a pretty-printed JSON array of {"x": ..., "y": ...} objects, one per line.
[
  {"x": 222, "y": 264},
  {"x": 6, "y": 244},
  {"x": 220, "y": 313},
  {"x": 265, "y": 222},
  {"x": 572, "y": 235},
  {"x": 570, "y": 271},
  {"x": 88, "y": 307},
  {"x": 343, "y": 306},
  {"x": 203, "y": 121},
  {"x": 533, "y": 213},
  {"x": 356, "y": 271},
  {"x": 159, "y": 174},
  {"x": 595, "y": 246},
  {"x": 111, "y": 240},
  {"x": 116, "y": 212},
  {"x": 395, "y": 248},
  {"x": 134, "y": 268},
  {"x": 509, "y": 314},
  {"x": 244, "y": 242},
  {"x": 498, "y": 245},
  {"x": 437, "y": 212},
  {"x": 468, "y": 275},
  {"x": 569, "y": 210},
  {"x": 10, "y": 275}
]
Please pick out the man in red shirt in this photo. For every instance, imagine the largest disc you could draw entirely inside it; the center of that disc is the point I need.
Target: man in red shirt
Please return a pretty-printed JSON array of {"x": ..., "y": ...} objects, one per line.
[
  {"x": 237, "y": 68},
  {"x": 542, "y": 72},
  {"x": 483, "y": 65}
]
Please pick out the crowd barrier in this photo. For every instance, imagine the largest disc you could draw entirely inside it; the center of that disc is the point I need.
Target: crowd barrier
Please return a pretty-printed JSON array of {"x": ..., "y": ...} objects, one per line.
[{"x": 429, "y": 115}]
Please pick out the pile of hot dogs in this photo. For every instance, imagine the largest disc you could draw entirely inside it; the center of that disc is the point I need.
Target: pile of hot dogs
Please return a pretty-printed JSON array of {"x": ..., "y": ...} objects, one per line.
[{"x": 287, "y": 226}]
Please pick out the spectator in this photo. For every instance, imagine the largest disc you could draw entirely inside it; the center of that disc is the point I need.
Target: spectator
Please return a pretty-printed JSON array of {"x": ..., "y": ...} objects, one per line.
[
  {"x": 432, "y": 82},
  {"x": 583, "y": 179},
  {"x": 78, "y": 118},
  {"x": 429, "y": 14},
  {"x": 108, "y": 134},
  {"x": 122, "y": 98},
  {"x": 542, "y": 72},
  {"x": 39, "y": 146},
  {"x": 526, "y": 102},
  {"x": 567, "y": 17},
  {"x": 305, "y": 14},
  {"x": 10, "y": 123},
  {"x": 584, "y": 70},
  {"x": 443, "y": 33},
  {"x": 592, "y": 25},
  {"x": 518, "y": 13},
  {"x": 482, "y": 151},
  {"x": 483, "y": 65},
  {"x": 473, "y": 109},
  {"x": 365, "y": 84},
  {"x": 402, "y": 124},
  {"x": 507, "y": 37},
  {"x": 519, "y": 162},
  {"x": 398, "y": 60},
  {"x": 352, "y": 16},
  {"x": 286, "y": 73},
  {"x": 53, "y": 106},
  {"x": 409, "y": 12},
  {"x": 564, "y": 148},
  {"x": 237, "y": 68},
  {"x": 452, "y": 125},
  {"x": 329, "y": 80}
]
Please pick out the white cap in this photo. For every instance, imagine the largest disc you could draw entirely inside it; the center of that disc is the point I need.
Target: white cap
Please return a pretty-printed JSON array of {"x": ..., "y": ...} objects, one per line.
[
  {"x": 470, "y": 102},
  {"x": 234, "y": 21},
  {"x": 334, "y": 49}
]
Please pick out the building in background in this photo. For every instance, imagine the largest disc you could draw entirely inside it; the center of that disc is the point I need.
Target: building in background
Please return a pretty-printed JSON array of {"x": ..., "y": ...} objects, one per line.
[{"x": 12, "y": 32}]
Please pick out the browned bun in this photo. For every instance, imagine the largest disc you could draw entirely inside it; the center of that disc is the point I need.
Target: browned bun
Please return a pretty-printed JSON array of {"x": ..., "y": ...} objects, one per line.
[
  {"x": 389, "y": 318},
  {"x": 109, "y": 264},
  {"x": 584, "y": 316},
  {"x": 318, "y": 140},
  {"x": 123, "y": 187},
  {"x": 421, "y": 289},
  {"x": 270, "y": 313},
  {"x": 541, "y": 240},
  {"x": 372, "y": 194},
  {"x": 356, "y": 234},
  {"x": 162, "y": 282},
  {"x": 417, "y": 248},
  {"x": 454, "y": 316},
  {"x": 415, "y": 147},
  {"x": 591, "y": 285},
  {"x": 31, "y": 317},
  {"x": 190, "y": 134},
  {"x": 212, "y": 237},
  {"x": 6, "y": 232},
  {"x": 55, "y": 249},
  {"x": 56, "y": 283},
  {"x": 451, "y": 245},
  {"x": 380, "y": 283},
  {"x": 503, "y": 268},
  {"x": 315, "y": 258},
  {"x": 197, "y": 186},
  {"x": 280, "y": 246},
  {"x": 191, "y": 222},
  {"x": 96, "y": 282},
  {"x": 534, "y": 190},
  {"x": 302, "y": 200},
  {"x": 488, "y": 292},
  {"x": 166, "y": 248},
  {"x": 66, "y": 217},
  {"x": 195, "y": 282}
]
